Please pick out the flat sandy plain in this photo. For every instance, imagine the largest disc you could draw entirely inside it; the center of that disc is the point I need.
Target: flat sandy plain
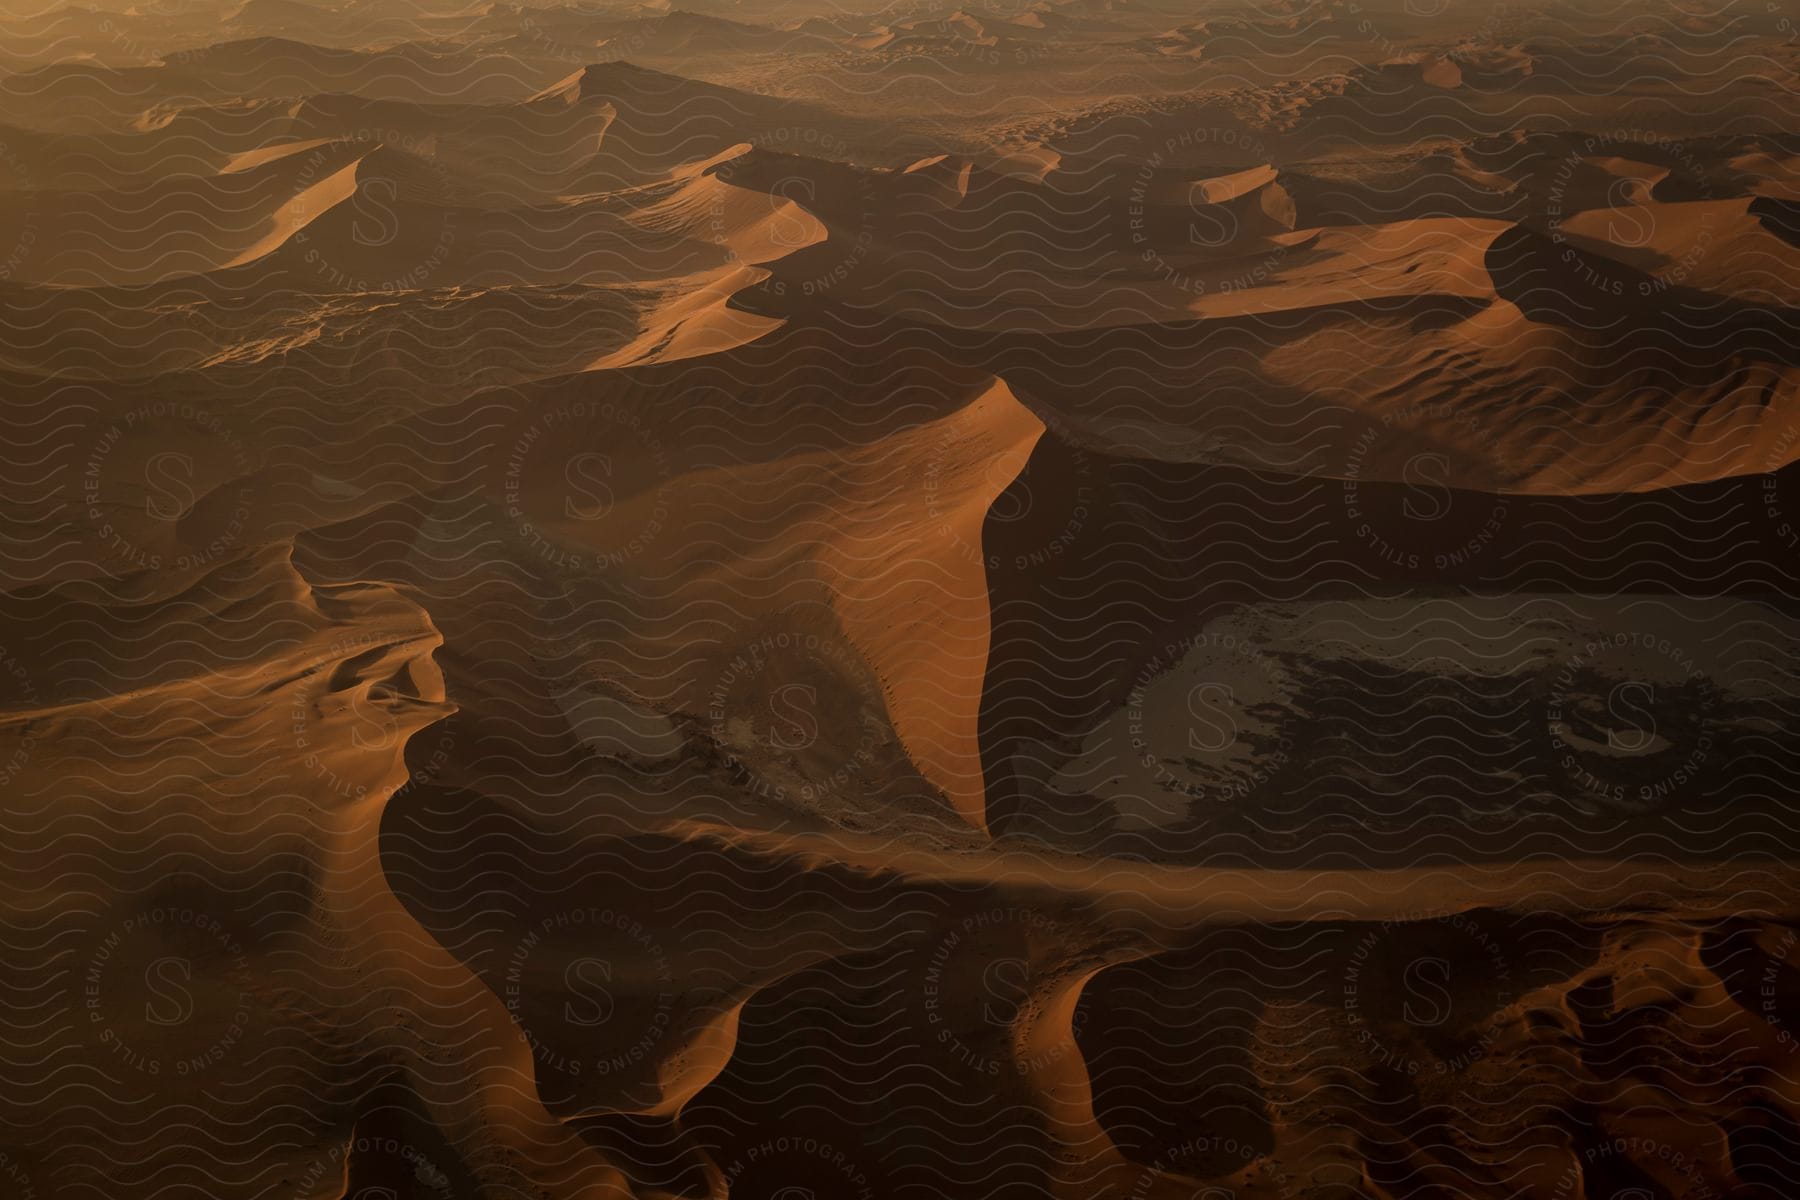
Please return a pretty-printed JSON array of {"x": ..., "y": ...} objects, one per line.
[{"x": 1085, "y": 599}]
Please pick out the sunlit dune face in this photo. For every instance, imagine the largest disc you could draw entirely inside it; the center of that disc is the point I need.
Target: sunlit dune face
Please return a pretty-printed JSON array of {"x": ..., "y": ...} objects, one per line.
[{"x": 1129, "y": 599}]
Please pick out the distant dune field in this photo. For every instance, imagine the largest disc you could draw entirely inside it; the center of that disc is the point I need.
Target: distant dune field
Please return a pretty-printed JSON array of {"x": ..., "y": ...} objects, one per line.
[{"x": 1058, "y": 600}]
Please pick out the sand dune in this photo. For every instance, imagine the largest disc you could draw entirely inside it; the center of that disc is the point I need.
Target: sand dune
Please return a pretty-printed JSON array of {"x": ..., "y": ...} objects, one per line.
[{"x": 1071, "y": 598}]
